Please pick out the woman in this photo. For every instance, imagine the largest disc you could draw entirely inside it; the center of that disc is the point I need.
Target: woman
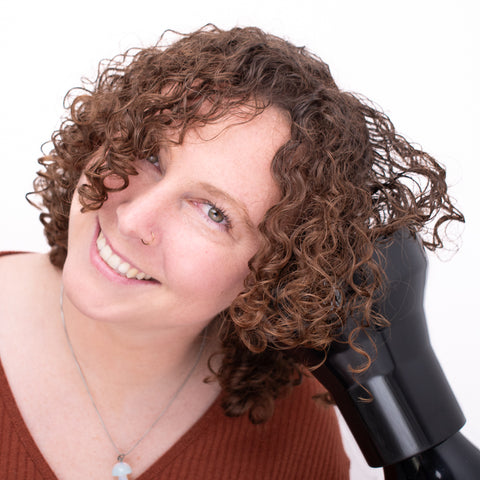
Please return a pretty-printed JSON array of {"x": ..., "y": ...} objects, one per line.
[{"x": 207, "y": 205}]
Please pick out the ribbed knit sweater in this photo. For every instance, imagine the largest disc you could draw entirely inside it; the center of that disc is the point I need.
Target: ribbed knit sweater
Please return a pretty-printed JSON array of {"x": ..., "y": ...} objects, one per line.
[{"x": 301, "y": 441}]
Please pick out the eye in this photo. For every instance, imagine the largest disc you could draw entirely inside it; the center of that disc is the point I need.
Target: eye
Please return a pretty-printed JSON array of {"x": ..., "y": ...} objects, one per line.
[
  {"x": 153, "y": 159},
  {"x": 215, "y": 214}
]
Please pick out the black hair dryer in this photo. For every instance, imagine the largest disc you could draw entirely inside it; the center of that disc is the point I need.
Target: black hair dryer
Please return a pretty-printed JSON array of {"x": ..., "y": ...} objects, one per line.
[{"x": 411, "y": 425}]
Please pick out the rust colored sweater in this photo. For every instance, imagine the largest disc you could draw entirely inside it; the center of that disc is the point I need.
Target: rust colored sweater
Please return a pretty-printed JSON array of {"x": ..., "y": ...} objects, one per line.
[{"x": 301, "y": 441}]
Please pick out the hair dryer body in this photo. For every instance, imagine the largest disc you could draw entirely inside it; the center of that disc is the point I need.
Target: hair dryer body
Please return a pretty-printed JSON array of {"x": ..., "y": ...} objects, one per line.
[{"x": 410, "y": 427}]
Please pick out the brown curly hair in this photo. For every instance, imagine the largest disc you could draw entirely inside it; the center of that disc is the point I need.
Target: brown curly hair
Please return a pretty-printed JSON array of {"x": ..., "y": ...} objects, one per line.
[{"x": 346, "y": 178}]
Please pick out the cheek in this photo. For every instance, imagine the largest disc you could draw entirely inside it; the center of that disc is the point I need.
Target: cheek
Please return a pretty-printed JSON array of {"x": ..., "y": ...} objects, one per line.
[
  {"x": 210, "y": 271},
  {"x": 77, "y": 220}
]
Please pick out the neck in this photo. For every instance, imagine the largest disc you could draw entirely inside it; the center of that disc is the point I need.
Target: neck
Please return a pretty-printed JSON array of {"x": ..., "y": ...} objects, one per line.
[{"x": 120, "y": 356}]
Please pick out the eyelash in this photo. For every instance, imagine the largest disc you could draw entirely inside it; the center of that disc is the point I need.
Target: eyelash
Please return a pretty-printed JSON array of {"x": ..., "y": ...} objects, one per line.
[
  {"x": 154, "y": 160},
  {"x": 225, "y": 224}
]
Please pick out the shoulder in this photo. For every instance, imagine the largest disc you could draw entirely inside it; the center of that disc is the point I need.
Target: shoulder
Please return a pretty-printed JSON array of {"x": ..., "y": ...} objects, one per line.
[
  {"x": 307, "y": 432},
  {"x": 303, "y": 417},
  {"x": 301, "y": 440},
  {"x": 13, "y": 271},
  {"x": 16, "y": 266},
  {"x": 13, "y": 262},
  {"x": 24, "y": 280},
  {"x": 20, "y": 270}
]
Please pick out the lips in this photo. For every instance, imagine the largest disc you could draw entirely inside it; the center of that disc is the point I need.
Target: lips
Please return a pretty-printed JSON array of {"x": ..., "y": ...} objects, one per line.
[{"x": 116, "y": 263}]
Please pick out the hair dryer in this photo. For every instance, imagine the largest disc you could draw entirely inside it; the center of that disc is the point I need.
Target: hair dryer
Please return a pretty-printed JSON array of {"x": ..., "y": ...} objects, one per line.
[{"x": 411, "y": 424}]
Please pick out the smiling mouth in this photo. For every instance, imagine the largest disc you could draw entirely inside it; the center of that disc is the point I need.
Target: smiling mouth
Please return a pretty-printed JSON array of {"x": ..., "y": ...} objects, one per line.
[{"x": 116, "y": 263}]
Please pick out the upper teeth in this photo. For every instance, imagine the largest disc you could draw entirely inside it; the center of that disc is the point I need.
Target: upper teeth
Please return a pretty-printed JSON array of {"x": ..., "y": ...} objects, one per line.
[{"x": 116, "y": 263}]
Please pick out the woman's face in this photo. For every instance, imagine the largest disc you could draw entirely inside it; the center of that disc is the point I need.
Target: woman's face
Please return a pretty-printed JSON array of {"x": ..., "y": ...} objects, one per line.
[{"x": 198, "y": 209}]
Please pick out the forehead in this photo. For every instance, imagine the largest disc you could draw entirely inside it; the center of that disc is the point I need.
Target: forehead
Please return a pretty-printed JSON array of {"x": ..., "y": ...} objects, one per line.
[
  {"x": 235, "y": 155},
  {"x": 268, "y": 130}
]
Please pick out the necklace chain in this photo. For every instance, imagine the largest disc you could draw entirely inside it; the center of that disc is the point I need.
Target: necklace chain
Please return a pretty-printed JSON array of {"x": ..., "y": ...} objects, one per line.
[{"x": 121, "y": 455}]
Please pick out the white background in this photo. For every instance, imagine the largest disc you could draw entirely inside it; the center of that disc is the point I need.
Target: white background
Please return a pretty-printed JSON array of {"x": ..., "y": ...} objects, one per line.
[{"x": 417, "y": 59}]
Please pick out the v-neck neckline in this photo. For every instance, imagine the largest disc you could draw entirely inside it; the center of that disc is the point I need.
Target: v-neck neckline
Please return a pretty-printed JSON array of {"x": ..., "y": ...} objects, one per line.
[{"x": 198, "y": 429}]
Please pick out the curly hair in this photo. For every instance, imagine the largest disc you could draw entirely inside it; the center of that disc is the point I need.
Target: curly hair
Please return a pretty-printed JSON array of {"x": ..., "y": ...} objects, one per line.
[{"x": 346, "y": 179}]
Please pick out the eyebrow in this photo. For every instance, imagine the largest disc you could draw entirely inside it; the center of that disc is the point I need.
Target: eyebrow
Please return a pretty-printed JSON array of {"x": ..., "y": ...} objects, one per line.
[{"x": 238, "y": 204}]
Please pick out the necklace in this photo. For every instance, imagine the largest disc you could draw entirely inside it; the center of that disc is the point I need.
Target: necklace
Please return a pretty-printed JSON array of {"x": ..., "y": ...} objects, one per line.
[{"x": 122, "y": 469}]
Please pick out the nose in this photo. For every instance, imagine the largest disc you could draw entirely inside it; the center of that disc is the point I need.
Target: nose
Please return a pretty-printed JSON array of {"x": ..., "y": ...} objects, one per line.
[{"x": 140, "y": 212}]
